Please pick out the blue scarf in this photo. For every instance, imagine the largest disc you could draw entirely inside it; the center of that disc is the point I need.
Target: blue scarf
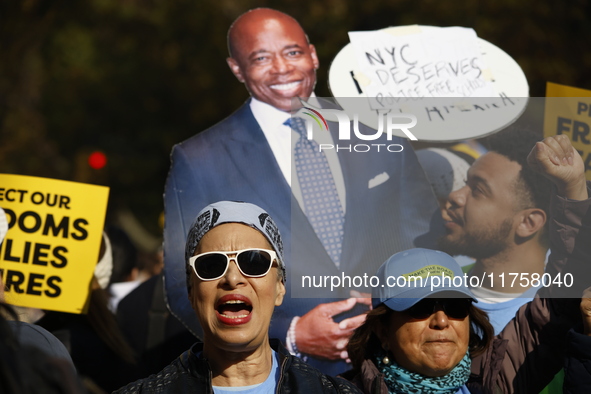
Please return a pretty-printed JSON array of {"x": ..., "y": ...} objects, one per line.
[{"x": 399, "y": 380}]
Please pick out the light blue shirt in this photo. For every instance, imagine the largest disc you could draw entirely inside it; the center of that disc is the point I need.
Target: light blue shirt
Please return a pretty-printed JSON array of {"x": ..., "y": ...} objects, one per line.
[
  {"x": 267, "y": 387},
  {"x": 501, "y": 313}
]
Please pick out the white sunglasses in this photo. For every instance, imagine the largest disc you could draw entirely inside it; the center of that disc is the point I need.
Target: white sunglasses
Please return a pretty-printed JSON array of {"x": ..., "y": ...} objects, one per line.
[{"x": 254, "y": 263}]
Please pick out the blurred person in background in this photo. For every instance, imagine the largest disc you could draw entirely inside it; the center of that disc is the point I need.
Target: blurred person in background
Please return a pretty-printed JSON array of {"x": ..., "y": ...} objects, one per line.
[
  {"x": 126, "y": 274},
  {"x": 101, "y": 354},
  {"x": 32, "y": 360},
  {"x": 155, "y": 335}
]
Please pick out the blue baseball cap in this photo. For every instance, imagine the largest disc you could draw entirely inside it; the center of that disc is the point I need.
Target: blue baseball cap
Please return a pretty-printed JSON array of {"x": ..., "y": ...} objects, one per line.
[{"x": 411, "y": 275}]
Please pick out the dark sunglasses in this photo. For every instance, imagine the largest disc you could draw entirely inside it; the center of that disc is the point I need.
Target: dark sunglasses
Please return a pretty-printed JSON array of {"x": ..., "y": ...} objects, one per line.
[
  {"x": 456, "y": 308},
  {"x": 251, "y": 262}
]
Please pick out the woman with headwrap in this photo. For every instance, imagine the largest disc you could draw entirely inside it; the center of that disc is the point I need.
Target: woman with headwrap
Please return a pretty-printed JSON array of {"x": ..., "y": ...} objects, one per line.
[{"x": 235, "y": 279}]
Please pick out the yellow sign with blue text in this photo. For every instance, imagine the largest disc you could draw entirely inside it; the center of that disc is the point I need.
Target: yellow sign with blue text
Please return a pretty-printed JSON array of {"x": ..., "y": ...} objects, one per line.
[
  {"x": 568, "y": 111},
  {"x": 53, "y": 241}
]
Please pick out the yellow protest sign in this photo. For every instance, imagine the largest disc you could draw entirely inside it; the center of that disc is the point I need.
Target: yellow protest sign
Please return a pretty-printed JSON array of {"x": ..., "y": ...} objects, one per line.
[
  {"x": 568, "y": 111},
  {"x": 53, "y": 241}
]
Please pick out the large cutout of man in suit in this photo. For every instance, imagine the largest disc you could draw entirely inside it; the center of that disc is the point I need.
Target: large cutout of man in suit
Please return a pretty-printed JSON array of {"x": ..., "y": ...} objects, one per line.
[{"x": 387, "y": 202}]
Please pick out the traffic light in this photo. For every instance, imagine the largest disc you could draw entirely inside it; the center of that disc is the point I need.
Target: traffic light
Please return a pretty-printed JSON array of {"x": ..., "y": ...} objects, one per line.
[
  {"x": 97, "y": 160},
  {"x": 91, "y": 166}
]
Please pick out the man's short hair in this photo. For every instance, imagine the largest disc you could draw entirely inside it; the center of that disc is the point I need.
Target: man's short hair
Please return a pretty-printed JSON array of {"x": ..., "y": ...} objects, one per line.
[{"x": 532, "y": 190}]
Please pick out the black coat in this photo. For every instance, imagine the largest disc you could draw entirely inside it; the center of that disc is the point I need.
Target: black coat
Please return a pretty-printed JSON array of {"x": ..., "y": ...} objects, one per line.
[
  {"x": 577, "y": 364},
  {"x": 191, "y": 374}
]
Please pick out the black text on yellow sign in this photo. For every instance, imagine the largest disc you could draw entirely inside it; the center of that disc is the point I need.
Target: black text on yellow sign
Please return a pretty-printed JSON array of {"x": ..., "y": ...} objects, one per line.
[
  {"x": 578, "y": 131},
  {"x": 52, "y": 245},
  {"x": 568, "y": 111}
]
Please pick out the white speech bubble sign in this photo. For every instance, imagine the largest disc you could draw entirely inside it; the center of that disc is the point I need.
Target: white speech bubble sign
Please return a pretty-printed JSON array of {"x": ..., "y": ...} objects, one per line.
[{"x": 443, "y": 118}]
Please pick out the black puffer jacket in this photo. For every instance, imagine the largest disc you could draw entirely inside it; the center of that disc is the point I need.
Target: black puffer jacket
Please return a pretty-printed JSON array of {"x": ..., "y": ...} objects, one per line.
[
  {"x": 577, "y": 365},
  {"x": 191, "y": 374}
]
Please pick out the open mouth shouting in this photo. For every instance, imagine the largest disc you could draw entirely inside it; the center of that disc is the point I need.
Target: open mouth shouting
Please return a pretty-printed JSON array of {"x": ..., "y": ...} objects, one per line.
[{"x": 234, "y": 309}]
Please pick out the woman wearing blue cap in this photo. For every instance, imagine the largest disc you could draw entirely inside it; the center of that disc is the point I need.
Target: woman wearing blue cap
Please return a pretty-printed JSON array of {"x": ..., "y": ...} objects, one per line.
[
  {"x": 425, "y": 335},
  {"x": 235, "y": 278},
  {"x": 419, "y": 338}
]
